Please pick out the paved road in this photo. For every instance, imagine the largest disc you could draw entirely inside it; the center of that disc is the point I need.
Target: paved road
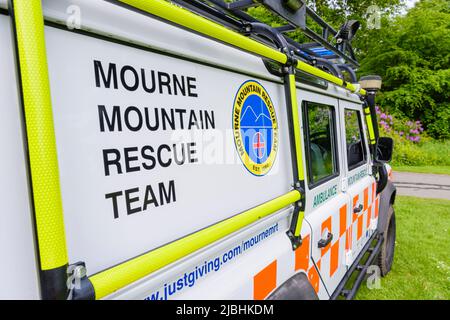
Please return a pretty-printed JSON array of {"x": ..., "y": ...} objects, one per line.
[{"x": 422, "y": 185}]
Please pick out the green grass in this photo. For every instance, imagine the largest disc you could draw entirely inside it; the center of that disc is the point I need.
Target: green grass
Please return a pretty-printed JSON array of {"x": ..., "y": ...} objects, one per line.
[
  {"x": 424, "y": 169},
  {"x": 427, "y": 153},
  {"x": 429, "y": 156},
  {"x": 421, "y": 268}
]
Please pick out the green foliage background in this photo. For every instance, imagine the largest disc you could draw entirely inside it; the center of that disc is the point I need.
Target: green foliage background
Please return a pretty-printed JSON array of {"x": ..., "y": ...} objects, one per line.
[
  {"x": 410, "y": 51},
  {"x": 412, "y": 54}
]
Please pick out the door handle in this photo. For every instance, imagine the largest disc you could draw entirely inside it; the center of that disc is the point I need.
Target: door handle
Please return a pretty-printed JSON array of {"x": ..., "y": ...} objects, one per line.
[
  {"x": 358, "y": 209},
  {"x": 324, "y": 242}
]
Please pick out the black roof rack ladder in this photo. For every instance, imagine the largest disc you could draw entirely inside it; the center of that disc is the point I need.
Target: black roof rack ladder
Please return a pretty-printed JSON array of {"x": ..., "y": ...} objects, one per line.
[{"x": 295, "y": 13}]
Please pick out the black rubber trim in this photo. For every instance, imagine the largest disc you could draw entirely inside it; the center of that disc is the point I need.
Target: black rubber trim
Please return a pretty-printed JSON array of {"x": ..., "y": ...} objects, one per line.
[
  {"x": 86, "y": 290},
  {"x": 53, "y": 283},
  {"x": 297, "y": 287}
]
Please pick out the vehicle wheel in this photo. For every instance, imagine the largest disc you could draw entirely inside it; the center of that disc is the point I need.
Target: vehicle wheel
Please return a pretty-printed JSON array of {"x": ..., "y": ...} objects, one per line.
[
  {"x": 296, "y": 288},
  {"x": 386, "y": 256}
]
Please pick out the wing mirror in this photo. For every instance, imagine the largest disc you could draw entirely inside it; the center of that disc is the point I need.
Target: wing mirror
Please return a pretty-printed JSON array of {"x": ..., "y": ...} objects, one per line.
[{"x": 385, "y": 147}]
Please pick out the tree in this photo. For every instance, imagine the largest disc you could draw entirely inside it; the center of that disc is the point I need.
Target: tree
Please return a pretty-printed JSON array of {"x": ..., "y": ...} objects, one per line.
[
  {"x": 334, "y": 12},
  {"x": 412, "y": 54}
]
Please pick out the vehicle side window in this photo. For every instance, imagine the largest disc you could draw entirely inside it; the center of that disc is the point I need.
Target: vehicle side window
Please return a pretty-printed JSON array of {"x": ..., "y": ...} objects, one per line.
[
  {"x": 320, "y": 142},
  {"x": 356, "y": 152}
]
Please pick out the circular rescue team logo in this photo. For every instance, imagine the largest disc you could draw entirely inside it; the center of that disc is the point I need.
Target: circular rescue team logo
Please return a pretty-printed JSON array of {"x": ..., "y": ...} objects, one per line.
[{"x": 255, "y": 127}]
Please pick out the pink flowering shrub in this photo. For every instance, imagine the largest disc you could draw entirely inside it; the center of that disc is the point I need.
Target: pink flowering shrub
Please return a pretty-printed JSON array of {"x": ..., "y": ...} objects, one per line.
[
  {"x": 412, "y": 146},
  {"x": 399, "y": 128}
]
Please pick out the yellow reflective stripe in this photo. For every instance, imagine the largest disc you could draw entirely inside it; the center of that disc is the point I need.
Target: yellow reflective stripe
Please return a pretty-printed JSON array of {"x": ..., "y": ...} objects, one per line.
[
  {"x": 370, "y": 126},
  {"x": 185, "y": 18},
  {"x": 326, "y": 76},
  {"x": 29, "y": 24},
  {"x": 298, "y": 144},
  {"x": 298, "y": 227},
  {"x": 319, "y": 73},
  {"x": 108, "y": 281},
  {"x": 296, "y": 125},
  {"x": 206, "y": 27},
  {"x": 352, "y": 88}
]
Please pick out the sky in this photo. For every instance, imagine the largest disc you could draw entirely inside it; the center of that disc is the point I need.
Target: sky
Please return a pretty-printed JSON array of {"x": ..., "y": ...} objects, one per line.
[{"x": 410, "y": 3}]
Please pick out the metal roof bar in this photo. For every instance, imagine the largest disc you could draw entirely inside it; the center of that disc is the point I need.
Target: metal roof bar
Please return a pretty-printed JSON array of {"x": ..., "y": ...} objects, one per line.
[
  {"x": 194, "y": 22},
  {"x": 295, "y": 21}
]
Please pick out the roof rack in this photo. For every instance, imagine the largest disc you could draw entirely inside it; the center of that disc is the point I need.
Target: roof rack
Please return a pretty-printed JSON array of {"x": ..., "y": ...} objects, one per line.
[{"x": 333, "y": 57}]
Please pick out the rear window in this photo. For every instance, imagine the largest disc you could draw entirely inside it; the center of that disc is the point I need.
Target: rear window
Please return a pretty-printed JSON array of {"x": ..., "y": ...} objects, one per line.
[
  {"x": 356, "y": 153},
  {"x": 320, "y": 136}
]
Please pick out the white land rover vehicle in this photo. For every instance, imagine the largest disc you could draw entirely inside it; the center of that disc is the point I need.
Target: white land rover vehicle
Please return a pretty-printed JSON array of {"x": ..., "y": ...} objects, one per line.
[{"x": 184, "y": 150}]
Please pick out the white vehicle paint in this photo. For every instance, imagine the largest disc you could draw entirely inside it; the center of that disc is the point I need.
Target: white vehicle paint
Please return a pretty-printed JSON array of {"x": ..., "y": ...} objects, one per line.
[
  {"x": 214, "y": 187},
  {"x": 19, "y": 269}
]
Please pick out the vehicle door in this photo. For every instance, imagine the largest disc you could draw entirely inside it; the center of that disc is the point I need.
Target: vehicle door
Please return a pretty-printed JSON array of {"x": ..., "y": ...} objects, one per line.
[
  {"x": 358, "y": 182},
  {"x": 325, "y": 198}
]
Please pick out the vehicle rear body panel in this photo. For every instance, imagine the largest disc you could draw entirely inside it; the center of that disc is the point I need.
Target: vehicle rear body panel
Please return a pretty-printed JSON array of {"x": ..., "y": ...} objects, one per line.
[
  {"x": 19, "y": 265},
  {"x": 248, "y": 264}
]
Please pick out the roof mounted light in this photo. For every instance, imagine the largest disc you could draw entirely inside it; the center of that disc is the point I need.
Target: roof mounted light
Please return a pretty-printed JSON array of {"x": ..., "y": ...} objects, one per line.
[{"x": 370, "y": 83}]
